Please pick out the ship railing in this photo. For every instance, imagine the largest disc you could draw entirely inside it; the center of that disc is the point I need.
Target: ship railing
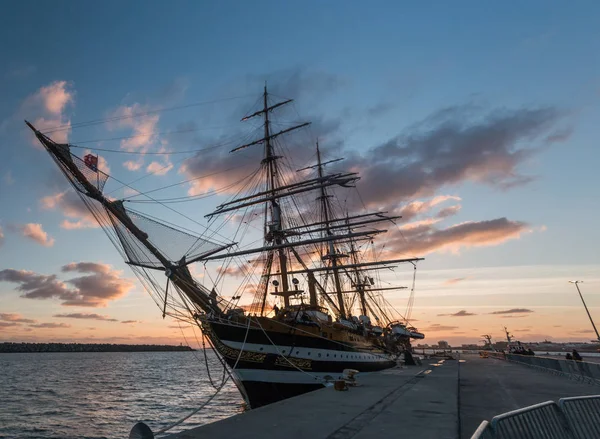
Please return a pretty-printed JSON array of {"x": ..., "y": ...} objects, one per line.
[{"x": 570, "y": 418}]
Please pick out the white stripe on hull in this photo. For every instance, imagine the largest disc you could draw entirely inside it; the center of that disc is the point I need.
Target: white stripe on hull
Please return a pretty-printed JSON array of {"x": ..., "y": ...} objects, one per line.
[
  {"x": 285, "y": 377},
  {"x": 309, "y": 353}
]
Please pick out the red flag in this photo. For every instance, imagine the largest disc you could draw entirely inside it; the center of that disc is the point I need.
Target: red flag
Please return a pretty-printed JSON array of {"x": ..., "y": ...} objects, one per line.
[{"x": 91, "y": 161}]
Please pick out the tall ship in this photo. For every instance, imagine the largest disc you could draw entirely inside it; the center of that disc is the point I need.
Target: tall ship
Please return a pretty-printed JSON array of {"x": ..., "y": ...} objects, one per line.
[{"x": 288, "y": 308}]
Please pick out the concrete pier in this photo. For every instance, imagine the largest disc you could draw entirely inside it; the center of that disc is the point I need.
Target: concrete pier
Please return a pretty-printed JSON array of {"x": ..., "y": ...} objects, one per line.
[{"x": 441, "y": 400}]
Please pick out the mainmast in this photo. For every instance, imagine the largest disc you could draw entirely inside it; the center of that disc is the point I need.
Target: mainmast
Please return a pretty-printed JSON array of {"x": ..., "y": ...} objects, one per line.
[
  {"x": 359, "y": 285},
  {"x": 276, "y": 228},
  {"x": 274, "y": 231},
  {"x": 282, "y": 238},
  {"x": 331, "y": 253}
]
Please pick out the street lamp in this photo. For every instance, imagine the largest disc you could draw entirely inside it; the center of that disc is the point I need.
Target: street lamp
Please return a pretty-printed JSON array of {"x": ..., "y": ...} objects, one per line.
[{"x": 576, "y": 282}]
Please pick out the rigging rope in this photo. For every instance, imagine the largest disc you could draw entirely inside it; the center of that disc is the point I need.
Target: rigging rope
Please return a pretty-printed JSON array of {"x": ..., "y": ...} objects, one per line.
[
  {"x": 163, "y": 430},
  {"x": 121, "y": 151},
  {"x": 135, "y": 115}
]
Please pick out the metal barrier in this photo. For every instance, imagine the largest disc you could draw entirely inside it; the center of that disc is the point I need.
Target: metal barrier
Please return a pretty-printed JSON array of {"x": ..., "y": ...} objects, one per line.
[
  {"x": 571, "y": 418},
  {"x": 576, "y": 370},
  {"x": 583, "y": 415},
  {"x": 540, "y": 421},
  {"x": 484, "y": 431}
]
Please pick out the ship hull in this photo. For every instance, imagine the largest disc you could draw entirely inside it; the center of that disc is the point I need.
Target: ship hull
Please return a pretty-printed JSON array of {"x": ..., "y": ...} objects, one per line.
[{"x": 270, "y": 366}]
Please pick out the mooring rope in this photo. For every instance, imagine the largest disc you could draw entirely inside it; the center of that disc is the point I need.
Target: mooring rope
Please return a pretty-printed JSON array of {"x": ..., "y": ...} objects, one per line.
[{"x": 167, "y": 428}]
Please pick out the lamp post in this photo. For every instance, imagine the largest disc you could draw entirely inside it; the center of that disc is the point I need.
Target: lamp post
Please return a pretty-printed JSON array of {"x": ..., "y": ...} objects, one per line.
[{"x": 576, "y": 282}]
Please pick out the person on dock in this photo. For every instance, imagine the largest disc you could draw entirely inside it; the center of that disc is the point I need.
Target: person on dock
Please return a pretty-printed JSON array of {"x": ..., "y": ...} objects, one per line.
[
  {"x": 576, "y": 356},
  {"x": 568, "y": 356}
]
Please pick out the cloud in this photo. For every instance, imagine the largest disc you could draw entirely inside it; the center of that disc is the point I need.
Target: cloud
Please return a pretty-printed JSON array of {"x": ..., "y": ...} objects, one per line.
[
  {"x": 142, "y": 120},
  {"x": 583, "y": 331},
  {"x": 426, "y": 238},
  {"x": 417, "y": 207},
  {"x": 296, "y": 83},
  {"x": 16, "y": 318},
  {"x": 437, "y": 327},
  {"x": 50, "y": 325},
  {"x": 235, "y": 270},
  {"x": 8, "y": 324},
  {"x": 87, "y": 316},
  {"x": 130, "y": 321},
  {"x": 35, "y": 232},
  {"x": 451, "y": 146},
  {"x": 71, "y": 206},
  {"x": 219, "y": 169},
  {"x": 50, "y": 103},
  {"x": 513, "y": 311},
  {"x": 449, "y": 211},
  {"x": 455, "y": 280},
  {"x": 158, "y": 168},
  {"x": 143, "y": 127},
  {"x": 461, "y": 313},
  {"x": 100, "y": 285},
  {"x": 1, "y": 236},
  {"x": 134, "y": 165}
]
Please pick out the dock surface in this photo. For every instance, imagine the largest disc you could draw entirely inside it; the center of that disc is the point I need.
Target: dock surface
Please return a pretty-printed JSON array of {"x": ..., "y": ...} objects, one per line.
[{"x": 441, "y": 400}]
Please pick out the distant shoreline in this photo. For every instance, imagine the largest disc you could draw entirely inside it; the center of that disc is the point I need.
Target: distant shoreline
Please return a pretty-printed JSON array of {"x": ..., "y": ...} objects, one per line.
[{"x": 13, "y": 348}]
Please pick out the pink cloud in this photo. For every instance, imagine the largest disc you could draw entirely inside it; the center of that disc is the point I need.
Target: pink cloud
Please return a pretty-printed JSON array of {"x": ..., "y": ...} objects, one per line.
[
  {"x": 455, "y": 280},
  {"x": 426, "y": 238},
  {"x": 56, "y": 96},
  {"x": 47, "y": 108},
  {"x": 69, "y": 203},
  {"x": 97, "y": 284},
  {"x": 16, "y": 318},
  {"x": 158, "y": 168},
  {"x": 132, "y": 165},
  {"x": 35, "y": 232}
]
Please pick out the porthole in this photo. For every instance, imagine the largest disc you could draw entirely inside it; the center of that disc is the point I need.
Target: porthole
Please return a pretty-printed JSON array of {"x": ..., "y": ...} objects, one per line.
[{"x": 319, "y": 355}]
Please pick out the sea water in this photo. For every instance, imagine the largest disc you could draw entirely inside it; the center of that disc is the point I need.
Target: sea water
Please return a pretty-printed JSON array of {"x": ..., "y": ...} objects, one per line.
[{"x": 103, "y": 394}]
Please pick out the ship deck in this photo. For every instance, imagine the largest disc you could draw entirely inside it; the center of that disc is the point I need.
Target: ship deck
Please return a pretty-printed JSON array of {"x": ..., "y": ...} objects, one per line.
[{"x": 436, "y": 400}]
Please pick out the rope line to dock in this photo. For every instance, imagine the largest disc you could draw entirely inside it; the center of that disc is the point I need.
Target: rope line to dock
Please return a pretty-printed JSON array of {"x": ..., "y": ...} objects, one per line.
[{"x": 167, "y": 428}]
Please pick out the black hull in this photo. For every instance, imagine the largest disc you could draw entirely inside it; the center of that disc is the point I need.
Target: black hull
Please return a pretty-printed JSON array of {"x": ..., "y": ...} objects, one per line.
[
  {"x": 273, "y": 366},
  {"x": 260, "y": 393}
]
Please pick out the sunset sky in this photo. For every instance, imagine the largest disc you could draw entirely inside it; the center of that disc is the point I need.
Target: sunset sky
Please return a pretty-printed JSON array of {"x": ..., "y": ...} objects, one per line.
[{"x": 478, "y": 122}]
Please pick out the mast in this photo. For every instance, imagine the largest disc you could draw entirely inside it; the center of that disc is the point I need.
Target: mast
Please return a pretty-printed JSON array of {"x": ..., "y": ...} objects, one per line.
[
  {"x": 274, "y": 229},
  {"x": 359, "y": 285},
  {"x": 275, "y": 209},
  {"x": 331, "y": 254}
]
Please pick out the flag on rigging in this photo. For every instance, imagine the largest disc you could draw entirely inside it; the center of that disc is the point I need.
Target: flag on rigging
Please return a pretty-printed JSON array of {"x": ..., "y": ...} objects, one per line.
[{"x": 91, "y": 161}]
